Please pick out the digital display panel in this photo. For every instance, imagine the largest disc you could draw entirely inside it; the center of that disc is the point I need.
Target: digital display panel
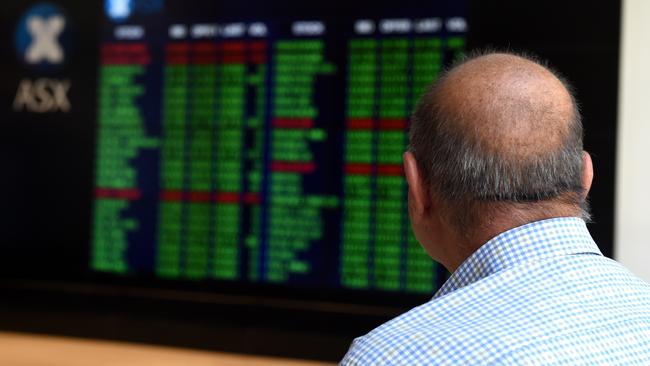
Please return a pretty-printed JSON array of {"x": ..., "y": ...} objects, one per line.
[{"x": 263, "y": 149}]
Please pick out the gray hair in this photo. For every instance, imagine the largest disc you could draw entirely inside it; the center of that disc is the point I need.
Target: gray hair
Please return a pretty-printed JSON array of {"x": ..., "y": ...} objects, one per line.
[{"x": 472, "y": 180}]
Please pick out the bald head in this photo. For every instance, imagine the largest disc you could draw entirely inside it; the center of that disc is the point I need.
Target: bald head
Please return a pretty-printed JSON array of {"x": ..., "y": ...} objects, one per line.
[
  {"x": 508, "y": 104},
  {"x": 499, "y": 131}
]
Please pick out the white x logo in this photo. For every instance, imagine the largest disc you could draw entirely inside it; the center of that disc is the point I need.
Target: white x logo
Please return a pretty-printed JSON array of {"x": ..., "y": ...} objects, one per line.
[{"x": 45, "y": 45}]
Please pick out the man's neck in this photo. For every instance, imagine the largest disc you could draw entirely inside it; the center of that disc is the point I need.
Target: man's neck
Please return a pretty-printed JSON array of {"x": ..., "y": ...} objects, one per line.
[{"x": 460, "y": 247}]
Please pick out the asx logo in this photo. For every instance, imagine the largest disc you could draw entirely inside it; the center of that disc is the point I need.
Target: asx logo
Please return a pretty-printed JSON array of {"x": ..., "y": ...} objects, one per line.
[
  {"x": 42, "y": 96},
  {"x": 45, "y": 45},
  {"x": 42, "y": 36}
]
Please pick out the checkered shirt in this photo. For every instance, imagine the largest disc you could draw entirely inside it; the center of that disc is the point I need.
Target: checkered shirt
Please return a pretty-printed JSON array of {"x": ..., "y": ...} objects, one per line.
[{"x": 539, "y": 294}]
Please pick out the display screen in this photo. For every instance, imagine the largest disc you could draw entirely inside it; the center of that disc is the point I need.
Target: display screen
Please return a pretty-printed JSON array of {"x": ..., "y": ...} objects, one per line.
[{"x": 263, "y": 149}]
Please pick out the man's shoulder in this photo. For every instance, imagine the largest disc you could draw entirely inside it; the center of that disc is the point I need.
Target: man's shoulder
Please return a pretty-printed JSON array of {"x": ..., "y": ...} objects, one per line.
[
  {"x": 401, "y": 340},
  {"x": 434, "y": 332},
  {"x": 514, "y": 309}
]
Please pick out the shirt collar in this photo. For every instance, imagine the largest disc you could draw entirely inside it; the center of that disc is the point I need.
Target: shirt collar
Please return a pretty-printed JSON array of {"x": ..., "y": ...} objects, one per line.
[{"x": 535, "y": 241}]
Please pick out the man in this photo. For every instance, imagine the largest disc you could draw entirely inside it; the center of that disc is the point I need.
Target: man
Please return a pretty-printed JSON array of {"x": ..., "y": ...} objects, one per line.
[{"x": 497, "y": 189}]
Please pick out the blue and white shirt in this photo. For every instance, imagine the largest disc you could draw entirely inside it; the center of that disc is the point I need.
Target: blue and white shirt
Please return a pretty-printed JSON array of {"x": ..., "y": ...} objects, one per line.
[{"x": 539, "y": 294}]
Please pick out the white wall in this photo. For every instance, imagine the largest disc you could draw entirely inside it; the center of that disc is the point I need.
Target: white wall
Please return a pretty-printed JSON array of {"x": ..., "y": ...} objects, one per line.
[{"x": 632, "y": 223}]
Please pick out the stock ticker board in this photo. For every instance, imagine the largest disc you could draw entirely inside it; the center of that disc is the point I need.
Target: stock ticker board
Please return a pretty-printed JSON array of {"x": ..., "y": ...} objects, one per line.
[{"x": 263, "y": 151}]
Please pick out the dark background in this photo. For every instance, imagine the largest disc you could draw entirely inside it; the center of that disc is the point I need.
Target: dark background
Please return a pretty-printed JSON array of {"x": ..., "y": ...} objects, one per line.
[{"x": 47, "y": 162}]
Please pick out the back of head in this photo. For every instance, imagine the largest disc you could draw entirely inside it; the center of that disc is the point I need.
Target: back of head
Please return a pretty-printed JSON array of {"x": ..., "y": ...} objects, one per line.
[{"x": 500, "y": 135}]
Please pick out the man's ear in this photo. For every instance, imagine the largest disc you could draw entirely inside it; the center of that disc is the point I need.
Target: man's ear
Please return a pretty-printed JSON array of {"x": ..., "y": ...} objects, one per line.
[
  {"x": 587, "y": 173},
  {"x": 418, "y": 193}
]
